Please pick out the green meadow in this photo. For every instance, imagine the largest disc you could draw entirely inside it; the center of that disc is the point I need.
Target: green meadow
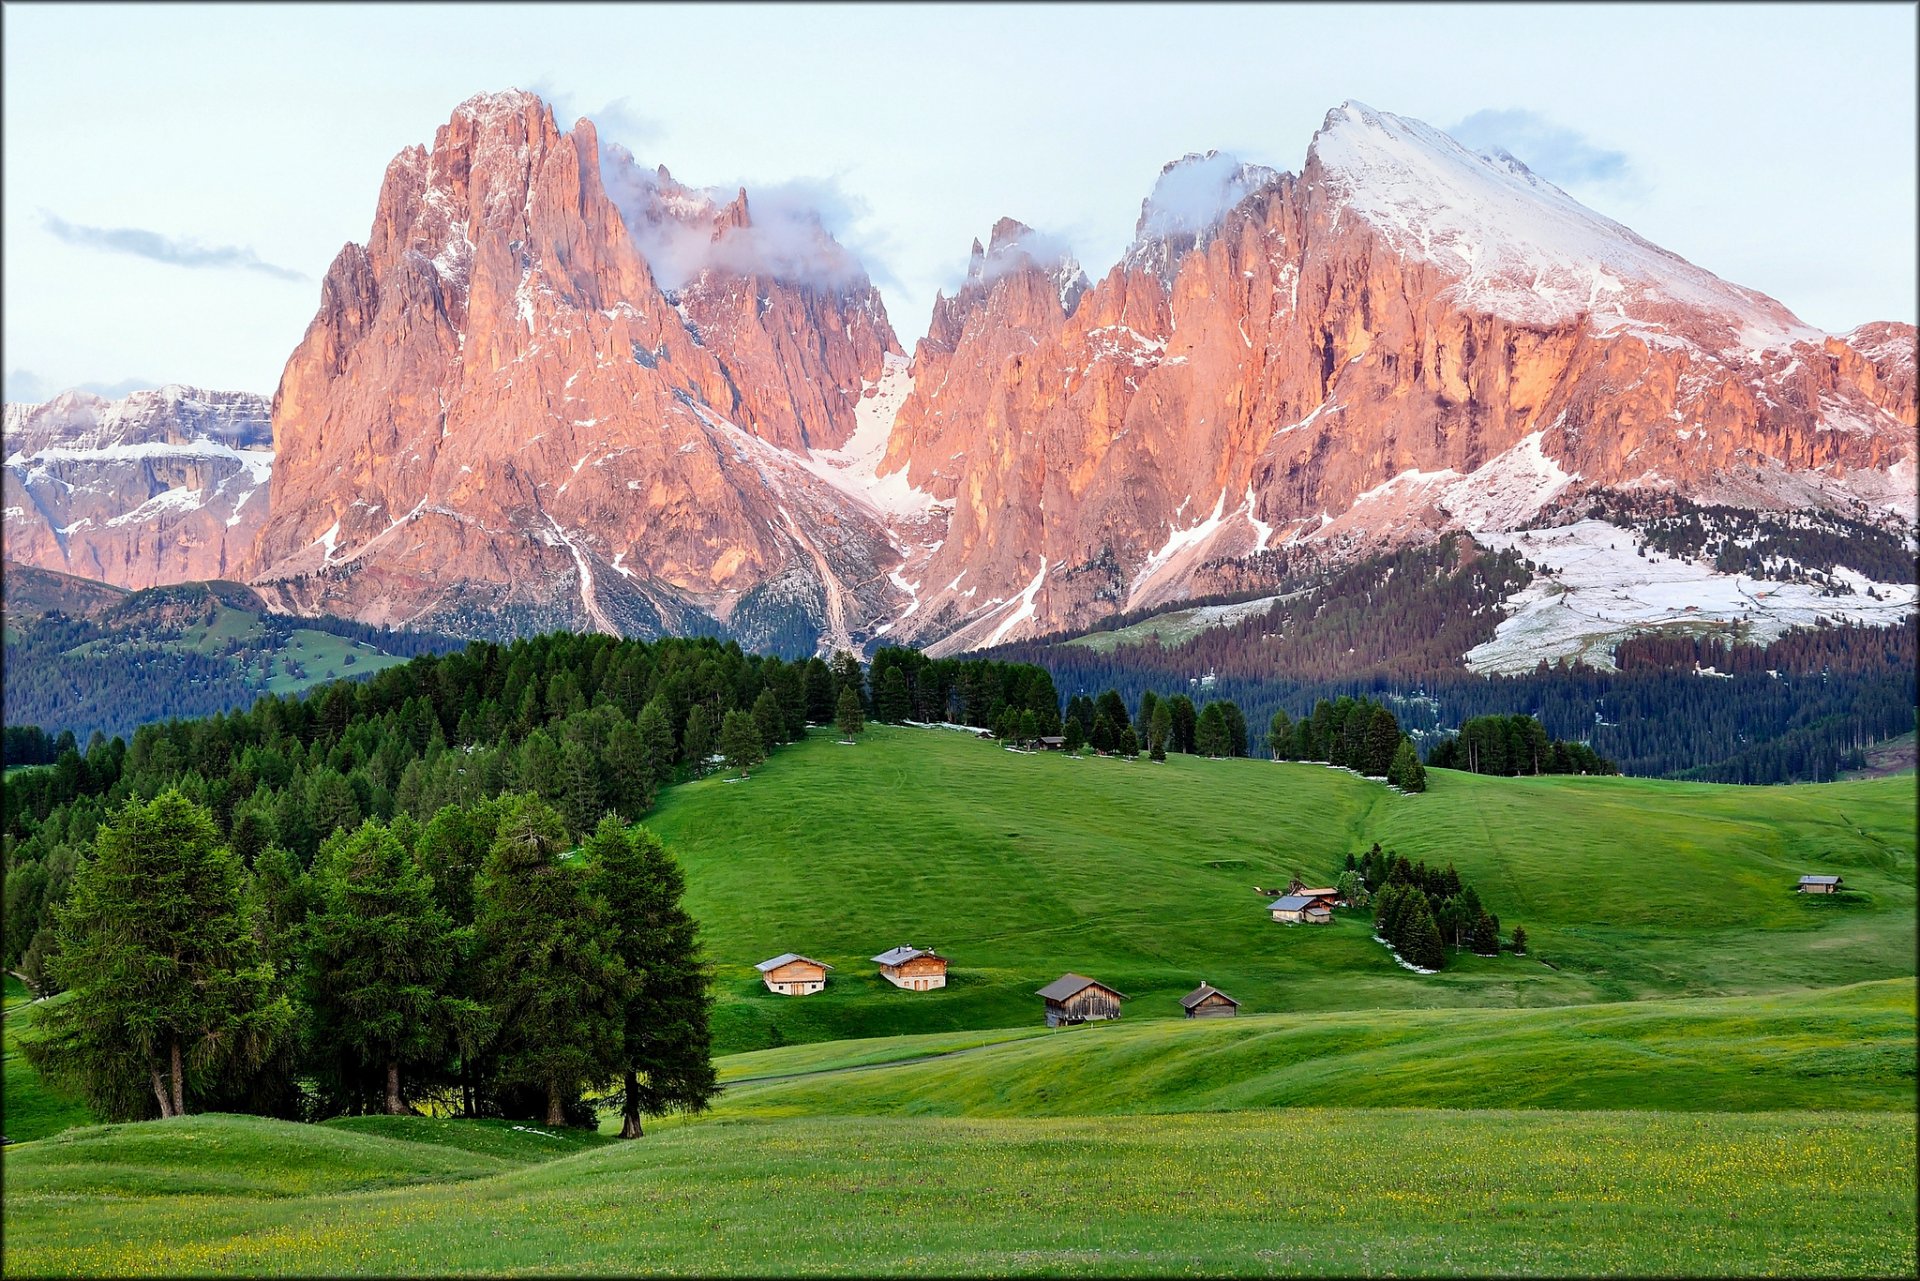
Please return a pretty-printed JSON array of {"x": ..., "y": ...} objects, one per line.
[
  {"x": 1140, "y": 874},
  {"x": 1694, "y": 1071}
]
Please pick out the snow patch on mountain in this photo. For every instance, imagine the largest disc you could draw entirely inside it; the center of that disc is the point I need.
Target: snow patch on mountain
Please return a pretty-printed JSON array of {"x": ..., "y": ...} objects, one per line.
[
  {"x": 1522, "y": 248},
  {"x": 1596, "y": 588}
]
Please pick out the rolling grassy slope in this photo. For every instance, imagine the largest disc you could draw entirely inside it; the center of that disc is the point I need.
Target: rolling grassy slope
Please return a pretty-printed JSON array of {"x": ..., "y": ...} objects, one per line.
[
  {"x": 29, "y": 1107},
  {"x": 1022, "y": 867},
  {"x": 1299, "y": 1191},
  {"x": 1845, "y": 1048}
]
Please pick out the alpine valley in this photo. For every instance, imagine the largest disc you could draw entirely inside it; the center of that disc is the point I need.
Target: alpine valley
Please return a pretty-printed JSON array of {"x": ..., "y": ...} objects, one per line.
[{"x": 559, "y": 389}]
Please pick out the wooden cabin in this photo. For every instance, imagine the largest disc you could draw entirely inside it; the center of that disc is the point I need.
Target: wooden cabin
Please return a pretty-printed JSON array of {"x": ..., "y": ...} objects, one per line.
[
  {"x": 1075, "y": 998},
  {"x": 791, "y": 974},
  {"x": 1209, "y": 1002},
  {"x": 912, "y": 968},
  {"x": 1820, "y": 885},
  {"x": 1328, "y": 895},
  {"x": 1052, "y": 742},
  {"x": 1299, "y": 909}
]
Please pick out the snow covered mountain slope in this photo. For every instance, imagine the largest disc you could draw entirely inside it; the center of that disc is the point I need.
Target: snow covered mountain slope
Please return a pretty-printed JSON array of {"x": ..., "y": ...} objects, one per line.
[{"x": 158, "y": 487}]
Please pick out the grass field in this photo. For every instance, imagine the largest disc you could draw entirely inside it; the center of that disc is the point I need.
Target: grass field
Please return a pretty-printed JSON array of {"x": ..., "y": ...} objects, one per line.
[
  {"x": 1022, "y": 867},
  {"x": 29, "y": 1107},
  {"x": 1695, "y": 1072},
  {"x": 1294, "y": 1191},
  {"x": 1844, "y": 1048}
]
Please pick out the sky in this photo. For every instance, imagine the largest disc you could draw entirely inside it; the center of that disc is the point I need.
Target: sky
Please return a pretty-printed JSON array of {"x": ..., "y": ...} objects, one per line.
[{"x": 177, "y": 178}]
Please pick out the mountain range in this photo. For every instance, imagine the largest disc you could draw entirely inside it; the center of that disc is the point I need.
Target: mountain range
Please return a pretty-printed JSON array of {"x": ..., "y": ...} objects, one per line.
[{"x": 558, "y": 388}]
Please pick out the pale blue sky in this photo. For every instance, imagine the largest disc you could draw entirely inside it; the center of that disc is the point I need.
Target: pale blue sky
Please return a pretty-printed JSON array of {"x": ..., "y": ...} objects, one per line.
[{"x": 234, "y": 149}]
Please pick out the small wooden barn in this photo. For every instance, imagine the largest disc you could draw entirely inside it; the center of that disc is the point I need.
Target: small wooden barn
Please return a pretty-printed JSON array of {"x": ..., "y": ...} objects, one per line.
[
  {"x": 1299, "y": 909},
  {"x": 915, "y": 969},
  {"x": 1820, "y": 885},
  {"x": 1075, "y": 998},
  {"x": 1328, "y": 895},
  {"x": 1209, "y": 1002},
  {"x": 791, "y": 974}
]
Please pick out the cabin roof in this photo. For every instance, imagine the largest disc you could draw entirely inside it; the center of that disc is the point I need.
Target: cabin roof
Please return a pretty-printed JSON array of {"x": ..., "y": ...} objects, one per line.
[
  {"x": 1202, "y": 992},
  {"x": 1071, "y": 984},
  {"x": 902, "y": 954},
  {"x": 785, "y": 957},
  {"x": 1323, "y": 893},
  {"x": 1291, "y": 903},
  {"x": 1819, "y": 880}
]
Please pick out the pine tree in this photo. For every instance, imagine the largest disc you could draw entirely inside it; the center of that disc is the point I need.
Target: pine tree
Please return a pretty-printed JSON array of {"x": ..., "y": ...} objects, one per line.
[
  {"x": 1102, "y": 736},
  {"x": 1383, "y": 737},
  {"x": 820, "y": 691},
  {"x": 697, "y": 742},
  {"x": 1184, "y": 723},
  {"x": 580, "y": 797},
  {"x": 891, "y": 702},
  {"x": 848, "y": 716},
  {"x": 1280, "y": 736},
  {"x": 1236, "y": 727},
  {"x": 1519, "y": 944},
  {"x": 553, "y": 983},
  {"x": 1420, "y": 942},
  {"x": 740, "y": 742},
  {"x": 163, "y": 963},
  {"x": 1129, "y": 744},
  {"x": 656, "y": 736},
  {"x": 1160, "y": 731},
  {"x": 1405, "y": 771},
  {"x": 376, "y": 968},
  {"x": 1075, "y": 737},
  {"x": 1210, "y": 732},
  {"x": 632, "y": 785},
  {"x": 1149, "y": 703},
  {"x": 1030, "y": 726},
  {"x": 666, "y": 1045},
  {"x": 770, "y": 721}
]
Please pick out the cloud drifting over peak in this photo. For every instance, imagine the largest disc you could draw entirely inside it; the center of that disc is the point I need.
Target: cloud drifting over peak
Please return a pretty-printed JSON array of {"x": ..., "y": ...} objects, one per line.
[
  {"x": 176, "y": 251},
  {"x": 1555, "y": 152},
  {"x": 790, "y": 233},
  {"x": 1193, "y": 192}
]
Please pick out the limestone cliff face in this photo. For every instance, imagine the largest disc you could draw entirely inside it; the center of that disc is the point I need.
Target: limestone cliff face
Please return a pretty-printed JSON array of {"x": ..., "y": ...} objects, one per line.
[
  {"x": 158, "y": 487},
  {"x": 501, "y": 421},
  {"x": 1404, "y": 338}
]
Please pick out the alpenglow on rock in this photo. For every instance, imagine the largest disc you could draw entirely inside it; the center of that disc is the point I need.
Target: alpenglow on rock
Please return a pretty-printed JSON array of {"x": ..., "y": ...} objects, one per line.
[
  {"x": 500, "y": 421},
  {"x": 556, "y": 388},
  {"x": 157, "y": 487}
]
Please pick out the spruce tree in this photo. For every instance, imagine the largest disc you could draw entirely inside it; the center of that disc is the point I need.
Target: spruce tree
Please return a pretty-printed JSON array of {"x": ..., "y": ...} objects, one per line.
[
  {"x": 1030, "y": 726},
  {"x": 1236, "y": 728},
  {"x": 1160, "y": 731},
  {"x": 630, "y": 777},
  {"x": 848, "y": 716},
  {"x": 820, "y": 691},
  {"x": 1210, "y": 732},
  {"x": 1075, "y": 737},
  {"x": 1383, "y": 737},
  {"x": 666, "y": 1046},
  {"x": 770, "y": 721},
  {"x": 740, "y": 742},
  {"x": 375, "y": 972},
  {"x": 1280, "y": 736},
  {"x": 1149, "y": 703},
  {"x": 697, "y": 742},
  {"x": 580, "y": 793},
  {"x": 1519, "y": 944},
  {"x": 656, "y": 736},
  {"x": 1129, "y": 744},
  {"x": 553, "y": 984},
  {"x": 1184, "y": 720},
  {"x": 891, "y": 701},
  {"x": 163, "y": 963},
  {"x": 1102, "y": 736}
]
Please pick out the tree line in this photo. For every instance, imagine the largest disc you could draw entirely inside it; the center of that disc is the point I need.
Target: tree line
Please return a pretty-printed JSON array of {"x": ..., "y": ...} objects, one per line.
[
  {"x": 1512, "y": 745},
  {"x": 1421, "y": 911},
  {"x": 476, "y": 963}
]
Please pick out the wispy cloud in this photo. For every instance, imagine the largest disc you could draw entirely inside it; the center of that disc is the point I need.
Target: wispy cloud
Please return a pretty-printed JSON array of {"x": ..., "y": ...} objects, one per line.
[
  {"x": 1555, "y": 152},
  {"x": 616, "y": 121},
  {"x": 26, "y": 387},
  {"x": 176, "y": 251}
]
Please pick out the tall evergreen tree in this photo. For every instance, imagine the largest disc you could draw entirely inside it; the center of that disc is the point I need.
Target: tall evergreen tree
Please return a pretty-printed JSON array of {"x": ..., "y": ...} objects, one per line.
[
  {"x": 1185, "y": 719},
  {"x": 376, "y": 967},
  {"x": 697, "y": 742},
  {"x": 554, "y": 985},
  {"x": 1280, "y": 736},
  {"x": 1210, "y": 733},
  {"x": 1383, "y": 736},
  {"x": 891, "y": 702},
  {"x": 580, "y": 797},
  {"x": 770, "y": 721},
  {"x": 1160, "y": 731},
  {"x": 1405, "y": 770},
  {"x": 848, "y": 716},
  {"x": 666, "y": 1046},
  {"x": 740, "y": 742},
  {"x": 820, "y": 691},
  {"x": 656, "y": 736},
  {"x": 1236, "y": 727},
  {"x": 1149, "y": 702},
  {"x": 163, "y": 964}
]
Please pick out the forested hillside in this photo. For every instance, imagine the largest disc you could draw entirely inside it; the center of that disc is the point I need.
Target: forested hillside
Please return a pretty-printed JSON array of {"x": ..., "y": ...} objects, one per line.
[{"x": 1698, "y": 705}]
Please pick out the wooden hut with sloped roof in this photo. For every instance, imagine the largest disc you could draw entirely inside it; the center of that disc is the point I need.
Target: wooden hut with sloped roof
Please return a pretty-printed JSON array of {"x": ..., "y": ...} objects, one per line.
[
  {"x": 1209, "y": 1002},
  {"x": 1075, "y": 998}
]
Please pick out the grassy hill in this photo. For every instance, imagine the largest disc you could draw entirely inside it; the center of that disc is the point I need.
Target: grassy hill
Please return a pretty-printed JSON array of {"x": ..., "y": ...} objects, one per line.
[
  {"x": 1299, "y": 1190},
  {"x": 1022, "y": 867},
  {"x": 1847, "y": 1047}
]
